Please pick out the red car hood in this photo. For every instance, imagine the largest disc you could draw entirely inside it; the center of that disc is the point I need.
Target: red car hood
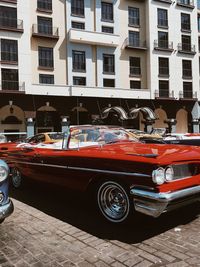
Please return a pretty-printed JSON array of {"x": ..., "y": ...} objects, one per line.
[{"x": 154, "y": 153}]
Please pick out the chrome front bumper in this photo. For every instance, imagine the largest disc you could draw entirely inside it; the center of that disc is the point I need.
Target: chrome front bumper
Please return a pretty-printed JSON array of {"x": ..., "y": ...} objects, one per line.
[
  {"x": 154, "y": 204},
  {"x": 6, "y": 209}
]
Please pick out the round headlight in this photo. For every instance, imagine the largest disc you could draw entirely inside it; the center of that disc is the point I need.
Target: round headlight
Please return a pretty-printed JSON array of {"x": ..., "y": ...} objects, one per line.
[
  {"x": 158, "y": 176},
  {"x": 3, "y": 173},
  {"x": 169, "y": 174}
]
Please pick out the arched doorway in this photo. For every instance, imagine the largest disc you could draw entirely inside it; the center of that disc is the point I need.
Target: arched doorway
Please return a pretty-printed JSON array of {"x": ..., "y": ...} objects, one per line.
[
  {"x": 182, "y": 121},
  {"x": 162, "y": 116},
  {"x": 47, "y": 119},
  {"x": 12, "y": 119},
  {"x": 79, "y": 115}
]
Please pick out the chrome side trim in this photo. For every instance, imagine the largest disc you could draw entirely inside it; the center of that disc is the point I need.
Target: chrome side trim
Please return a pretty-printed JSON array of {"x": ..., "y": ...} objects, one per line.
[
  {"x": 87, "y": 169},
  {"x": 154, "y": 204}
]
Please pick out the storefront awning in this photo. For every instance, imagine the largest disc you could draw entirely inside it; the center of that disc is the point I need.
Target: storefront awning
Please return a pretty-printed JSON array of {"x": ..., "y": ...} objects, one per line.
[
  {"x": 147, "y": 113},
  {"x": 120, "y": 111}
]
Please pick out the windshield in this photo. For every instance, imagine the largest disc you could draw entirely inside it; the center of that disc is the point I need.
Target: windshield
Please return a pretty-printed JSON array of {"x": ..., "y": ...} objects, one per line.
[{"x": 90, "y": 136}]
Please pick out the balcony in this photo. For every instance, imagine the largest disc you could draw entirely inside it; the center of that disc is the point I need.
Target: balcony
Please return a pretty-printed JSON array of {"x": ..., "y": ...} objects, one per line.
[
  {"x": 135, "y": 44},
  {"x": 187, "y": 95},
  {"x": 45, "y": 31},
  {"x": 186, "y": 3},
  {"x": 163, "y": 45},
  {"x": 93, "y": 38},
  {"x": 186, "y": 48},
  {"x": 9, "y": 24},
  {"x": 164, "y": 94},
  {"x": 8, "y": 86}
]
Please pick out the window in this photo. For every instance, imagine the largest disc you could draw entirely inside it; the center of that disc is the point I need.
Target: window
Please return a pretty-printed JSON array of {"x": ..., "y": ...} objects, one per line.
[
  {"x": 134, "y": 65},
  {"x": 77, "y": 8},
  {"x": 133, "y": 16},
  {"x": 108, "y": 63},
  {"x": 163, "y": 66},
  {"x": 185, "y": 22},
  {"x": 135, "y": 84},
  {"x": 46, "y": 78},
  {"x": 45, "y": 5},
  {"x": 163, "y": 40},
  {"x": 8, "y": 17},
  {"x": 134, "y": 38},
  {"x": 162, "y": 18},
  {"x": 78, "y": 25},
  {"x": 198, "y": 21},
  {"x": 78, "y": 61},
  {"x": 79, "y": 80},
  {"x": 45, "y": 57},
  {"x": 108, "y": 82},
  {"x": 163, "y": 88},
  {"x": 44, "y": 25},
  {"x": 187, "y": 68},
  {"x": 199, "y": 44},
  {"x": 107, "y": 29},
  {"x": 106, "y": 11},
  {"x": 187, "y": 90},
  {"x": 198, "y": 4},
  {"x": 9, "y": 50},
  {"x": 9, "y": 79},
  {"x": 186, "y": 42}
]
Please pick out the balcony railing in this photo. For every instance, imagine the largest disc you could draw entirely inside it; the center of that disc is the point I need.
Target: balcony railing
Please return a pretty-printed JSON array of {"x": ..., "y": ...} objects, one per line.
[
  {"x": 135, "y": 71},
  {"x": 11, "y": 24},
  {"x": 163, "y": 45},
  {"x": 187, "y": 94},
  {"x": 45, "y": 31},
  {"x": 9, "y": 57},
  {"x": 186, "y": 48},
  {"x": 164, "y": 93},
  {"x": 186, "y": 3},
  {"x": 10, "y": 86},
  {"x": 135, "y": 44}
]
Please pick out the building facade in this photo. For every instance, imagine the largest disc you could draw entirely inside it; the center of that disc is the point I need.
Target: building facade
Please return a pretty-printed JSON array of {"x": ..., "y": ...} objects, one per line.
[{"x": 72, "y": 60}]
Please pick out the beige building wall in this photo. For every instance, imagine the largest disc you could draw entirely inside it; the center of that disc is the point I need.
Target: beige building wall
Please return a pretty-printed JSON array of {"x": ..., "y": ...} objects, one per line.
[
  {"x": 59, "y": 46},
  {"x": 131, "y": 52}
]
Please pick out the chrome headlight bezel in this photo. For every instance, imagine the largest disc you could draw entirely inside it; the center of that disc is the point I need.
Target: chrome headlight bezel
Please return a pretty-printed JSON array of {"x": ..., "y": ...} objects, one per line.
[
  {"x": 169, "y": 174},
  {"x": 158, "y": 176},
  {"x": 3, "y": 173}
]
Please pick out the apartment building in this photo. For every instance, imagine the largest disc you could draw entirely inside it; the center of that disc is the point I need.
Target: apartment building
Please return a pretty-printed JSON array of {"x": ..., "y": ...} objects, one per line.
[{"x": 124, "y": 61}]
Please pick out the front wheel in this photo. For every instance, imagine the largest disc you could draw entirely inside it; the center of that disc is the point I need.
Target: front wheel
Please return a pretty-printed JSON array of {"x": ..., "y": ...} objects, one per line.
[
  {"x": 113, "y": 201},
  {"x": 16, "y": 178}
]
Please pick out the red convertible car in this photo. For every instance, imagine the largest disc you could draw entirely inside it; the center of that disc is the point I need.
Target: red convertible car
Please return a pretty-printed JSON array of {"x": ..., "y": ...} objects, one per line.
[{"x": 125, "y": 174}]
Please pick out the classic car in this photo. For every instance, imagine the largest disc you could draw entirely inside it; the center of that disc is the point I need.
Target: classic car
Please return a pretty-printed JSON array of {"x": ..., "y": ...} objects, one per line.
[
  {"x": 183, "y": 139},
  {"x": 124, "y": 174},
  {"x": 6, "y": 205}
]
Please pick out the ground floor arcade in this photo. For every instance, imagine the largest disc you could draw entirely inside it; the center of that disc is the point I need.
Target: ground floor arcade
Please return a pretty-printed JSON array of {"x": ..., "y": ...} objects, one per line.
[{"x": 51, "y": 113}]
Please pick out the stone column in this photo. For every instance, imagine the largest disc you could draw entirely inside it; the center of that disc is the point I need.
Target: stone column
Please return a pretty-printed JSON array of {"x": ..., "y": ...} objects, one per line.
[
  {"x": 30, "y": 127},
  {"x": 195, "y": 125},
  {"x": 171, "y": 125},
  {"x": 65, "y": 125}
]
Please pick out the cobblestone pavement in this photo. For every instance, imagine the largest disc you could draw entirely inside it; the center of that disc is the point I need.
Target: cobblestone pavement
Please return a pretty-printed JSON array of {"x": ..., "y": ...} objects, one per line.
[{"x": 52, "y": 228}]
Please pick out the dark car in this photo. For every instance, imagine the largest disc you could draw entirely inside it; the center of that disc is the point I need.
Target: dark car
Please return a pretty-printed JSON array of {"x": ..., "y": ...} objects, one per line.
[{"x": 6, "y": 205}]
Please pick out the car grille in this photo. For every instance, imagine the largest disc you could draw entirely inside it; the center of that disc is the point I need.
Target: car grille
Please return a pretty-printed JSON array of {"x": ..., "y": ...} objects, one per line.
[{"x": 185, "y": 170}]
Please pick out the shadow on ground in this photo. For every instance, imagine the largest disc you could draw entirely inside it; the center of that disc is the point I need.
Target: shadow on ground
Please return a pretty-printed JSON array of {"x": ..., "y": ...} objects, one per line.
[{"x": 74, "y": 208}]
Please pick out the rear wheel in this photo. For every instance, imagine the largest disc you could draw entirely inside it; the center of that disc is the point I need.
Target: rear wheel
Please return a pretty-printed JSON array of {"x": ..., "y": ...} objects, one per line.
[
  {"x": 113, "y": 201},
  {"x": 16, "y": 178}
]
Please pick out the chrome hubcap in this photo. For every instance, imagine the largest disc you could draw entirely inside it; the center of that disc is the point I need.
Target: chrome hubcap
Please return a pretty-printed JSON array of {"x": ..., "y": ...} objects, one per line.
[{"x": 113, "y": 201}]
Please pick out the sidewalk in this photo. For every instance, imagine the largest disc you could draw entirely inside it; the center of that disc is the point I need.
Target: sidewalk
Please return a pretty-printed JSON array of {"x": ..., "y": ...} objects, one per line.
[{"x": 29, "y": 237}]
